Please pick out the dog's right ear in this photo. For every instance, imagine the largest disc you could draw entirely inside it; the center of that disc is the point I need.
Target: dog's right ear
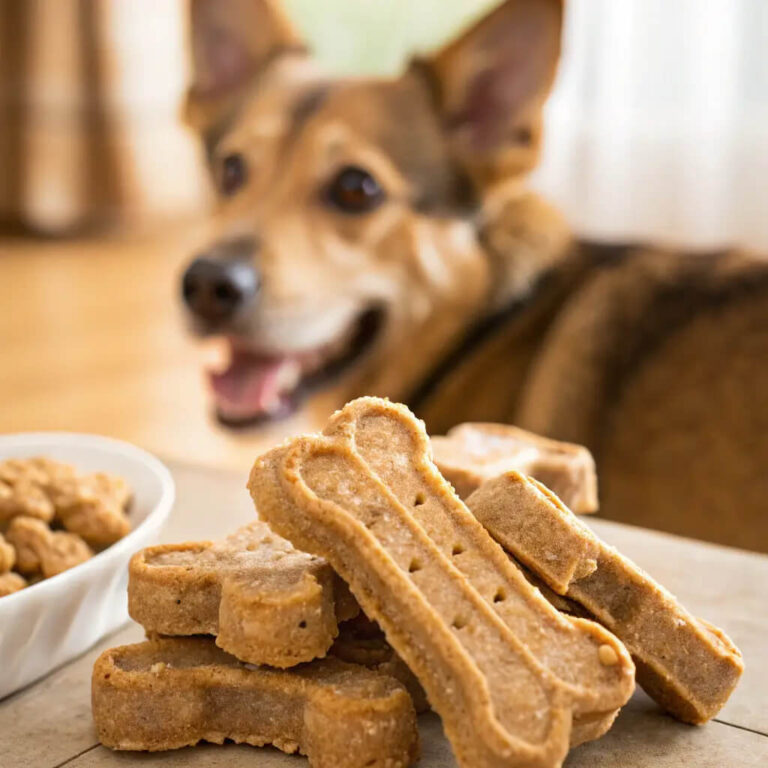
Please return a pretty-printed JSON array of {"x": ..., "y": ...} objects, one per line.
[
  {"x": 232, "y": 41},
  {"x": 490, "y": 85}
]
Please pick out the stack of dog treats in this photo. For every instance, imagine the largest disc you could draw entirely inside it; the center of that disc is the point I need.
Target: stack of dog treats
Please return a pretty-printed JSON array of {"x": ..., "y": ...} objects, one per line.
[{"x": 411, "y": 598}]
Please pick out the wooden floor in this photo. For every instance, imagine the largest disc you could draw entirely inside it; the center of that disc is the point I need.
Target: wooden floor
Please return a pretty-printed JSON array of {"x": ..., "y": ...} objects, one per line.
[{"x": 92, "y": 339}]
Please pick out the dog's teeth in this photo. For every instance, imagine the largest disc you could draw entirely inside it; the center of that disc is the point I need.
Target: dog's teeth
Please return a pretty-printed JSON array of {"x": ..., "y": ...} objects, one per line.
[
  {"x": 288, "y": 376},
  {"x": 215, "y": 354}
]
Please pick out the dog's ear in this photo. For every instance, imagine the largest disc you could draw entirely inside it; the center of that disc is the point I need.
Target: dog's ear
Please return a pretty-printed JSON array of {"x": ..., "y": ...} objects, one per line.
[
  {"x": 232, "y": 41},
  {"x": 491, "y": 84}
]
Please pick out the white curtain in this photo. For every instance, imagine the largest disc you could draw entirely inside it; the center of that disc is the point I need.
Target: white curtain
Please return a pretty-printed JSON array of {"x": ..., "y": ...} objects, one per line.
[{"x": 658, "y": 127}]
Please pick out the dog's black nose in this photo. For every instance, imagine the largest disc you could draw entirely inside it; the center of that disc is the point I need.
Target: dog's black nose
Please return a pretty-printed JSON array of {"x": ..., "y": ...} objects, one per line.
[{"x": 216, "y": 288}]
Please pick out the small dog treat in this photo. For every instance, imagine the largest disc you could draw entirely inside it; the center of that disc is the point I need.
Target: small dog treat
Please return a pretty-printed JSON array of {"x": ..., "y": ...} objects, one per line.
[
  {"x": 175, "y": 692},
  {"x": 470, "y": 454},
  {"x": 505, "y": 671},
  {"x": 25, "y": 498},
  {"x": 266, "y": 602},
  {"x": 93, "y": 507},
  {"x": 688, "y": 666},
  {"x": 38, "y": 470},
  {"x": 11, "y": 582},
  {"x": 7, "y": 555},
  {"x": 40, "y": 550}
]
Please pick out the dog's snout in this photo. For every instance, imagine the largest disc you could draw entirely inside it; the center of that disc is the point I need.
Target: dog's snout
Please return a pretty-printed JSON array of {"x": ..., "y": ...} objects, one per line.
[{"x": 215, "y": 290}]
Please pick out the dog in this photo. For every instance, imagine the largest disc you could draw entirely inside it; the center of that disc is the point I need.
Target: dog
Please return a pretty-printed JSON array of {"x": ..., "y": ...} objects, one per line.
[{"x": 380, "y": 234}]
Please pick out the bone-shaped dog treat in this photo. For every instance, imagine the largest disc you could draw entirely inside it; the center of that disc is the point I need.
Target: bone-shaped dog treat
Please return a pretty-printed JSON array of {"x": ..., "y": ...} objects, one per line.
[
  {"x": 175, "y": 692},
  {"x": 503, "y": 669},
  {"x": 470, "y": 454},
  {"x": 266, "y": 602},
  {"x": 688, "y": 666},
  {"x": 360, "y": 641},
  {"x": 40, "y": 550}
]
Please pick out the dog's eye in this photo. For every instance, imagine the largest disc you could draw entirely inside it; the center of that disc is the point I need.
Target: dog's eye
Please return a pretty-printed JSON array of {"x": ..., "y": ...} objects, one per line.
[
  {"x": 233, "y": 173},
  {"x": 354, "y": 190}
]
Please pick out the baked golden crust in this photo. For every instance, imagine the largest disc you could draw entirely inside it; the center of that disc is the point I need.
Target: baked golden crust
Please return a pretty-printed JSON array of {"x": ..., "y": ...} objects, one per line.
[
  {"x": 266, "y": 602},
  {"x": 505, "y": 671},
  {"x": 688, "y": 666},
  {"x": 175, "y": 692},
  {"x": 472, "y": 453}
]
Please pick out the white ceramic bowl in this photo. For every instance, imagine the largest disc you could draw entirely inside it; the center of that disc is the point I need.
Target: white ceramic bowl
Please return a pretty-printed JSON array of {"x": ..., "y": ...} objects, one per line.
[{"x": 53, "y": 621}]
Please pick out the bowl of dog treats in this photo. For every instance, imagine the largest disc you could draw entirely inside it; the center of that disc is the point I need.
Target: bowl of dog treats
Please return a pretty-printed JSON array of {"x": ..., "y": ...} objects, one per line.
[{"x": 73, "y": 509}]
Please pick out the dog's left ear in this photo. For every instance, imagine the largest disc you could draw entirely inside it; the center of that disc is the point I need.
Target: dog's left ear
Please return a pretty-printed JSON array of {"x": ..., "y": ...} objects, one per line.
[
  {"x": 491, "y": 84},
  {"x": 232, "y": 41}
]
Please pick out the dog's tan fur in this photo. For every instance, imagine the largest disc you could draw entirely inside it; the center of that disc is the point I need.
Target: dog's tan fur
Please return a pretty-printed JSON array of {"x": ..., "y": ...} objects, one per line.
[{"x": 656, "y": 361}]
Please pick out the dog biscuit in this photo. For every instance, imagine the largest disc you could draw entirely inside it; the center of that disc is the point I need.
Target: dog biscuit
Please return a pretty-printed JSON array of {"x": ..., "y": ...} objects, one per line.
[
  {"x": 361, "y": 641},
  {"x": 688, "y": 666},
  {"x": 175, "y": 692},
  {"x": 7, "y": 555},
  {"x": 11, "y": 582},
  {"x": 470, "y": 454},
  {"x": 266, "y": 602},
  {"x": 40, "y": 550},
  {"x": 505, "y": 671},
  {"x": 92, "y": 506},
  {"x": 24, "y": 498}
]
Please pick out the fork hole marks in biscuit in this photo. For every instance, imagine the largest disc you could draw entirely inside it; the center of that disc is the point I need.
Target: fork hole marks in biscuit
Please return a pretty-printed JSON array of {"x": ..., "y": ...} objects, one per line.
[
  {"x": 419, "y": 500},
  {"x": 415, "y": 565},
  {"x": 499, "y": 596},
  {"x": 457, "y": 549}
]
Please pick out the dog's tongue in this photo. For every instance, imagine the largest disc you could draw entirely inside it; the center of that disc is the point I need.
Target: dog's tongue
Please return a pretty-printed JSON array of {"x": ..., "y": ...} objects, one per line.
[{"x": 255, "y": 386}]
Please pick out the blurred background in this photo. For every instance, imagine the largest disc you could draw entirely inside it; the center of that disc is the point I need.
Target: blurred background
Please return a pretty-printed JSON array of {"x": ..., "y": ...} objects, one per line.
[{"x": 658, "y": 129}]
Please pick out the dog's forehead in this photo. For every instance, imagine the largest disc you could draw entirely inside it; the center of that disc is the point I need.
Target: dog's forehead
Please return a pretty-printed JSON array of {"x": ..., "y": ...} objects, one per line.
[
  {"x": 397, "y": 117},
  {"x": 288, "y": 91}
]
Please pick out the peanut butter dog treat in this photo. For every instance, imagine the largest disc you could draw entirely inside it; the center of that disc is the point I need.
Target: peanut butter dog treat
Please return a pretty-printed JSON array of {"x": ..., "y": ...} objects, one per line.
[
  {"x": 93, "y": 507},
  {"x": 505, "y": 671},
  {"x": 266, "y": 602},
  {"x": 11, "y": 582},
  {"x": 174, "y": 692},
  {"x": 7, "y": 555},
  {"x": 360, "y": 641},
  {"x": 40, "y": 550},
  {"x": 470, "y": 454},
  {"x": 688, "y": 666},
  {"x": 24, "y": 497}
]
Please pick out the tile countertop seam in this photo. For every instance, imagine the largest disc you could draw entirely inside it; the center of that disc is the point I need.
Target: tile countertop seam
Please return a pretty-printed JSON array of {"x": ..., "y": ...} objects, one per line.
[{"x": 740, "y": 727}]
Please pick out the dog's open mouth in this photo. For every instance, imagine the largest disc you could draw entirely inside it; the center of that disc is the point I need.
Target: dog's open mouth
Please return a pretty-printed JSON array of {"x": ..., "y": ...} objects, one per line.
[{"x": 256, "y": 386}]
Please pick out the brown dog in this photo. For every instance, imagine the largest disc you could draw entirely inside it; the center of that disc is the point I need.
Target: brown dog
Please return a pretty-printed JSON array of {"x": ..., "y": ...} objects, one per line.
[{"x": 379, "y": 233}]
